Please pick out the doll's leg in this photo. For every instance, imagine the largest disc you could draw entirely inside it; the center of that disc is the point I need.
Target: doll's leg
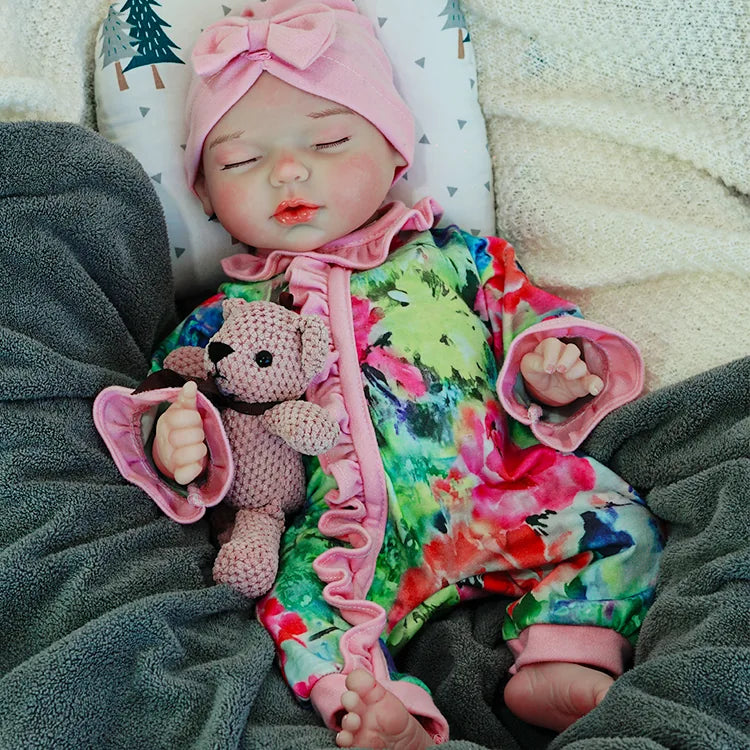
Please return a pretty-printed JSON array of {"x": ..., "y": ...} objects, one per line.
[
  {"x": 555, "y": 694},
  {"x": 587, "y": 592},
  {"x": 315, "y": 652},
  {"x": 377, "y": 718}
]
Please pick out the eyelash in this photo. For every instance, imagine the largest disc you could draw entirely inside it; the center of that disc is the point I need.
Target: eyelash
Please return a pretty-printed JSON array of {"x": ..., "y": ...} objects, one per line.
[
  {"x": 238, "y": 164},
  {"x": 332, "y": 144},
  {"x": 318, "y": 147}
]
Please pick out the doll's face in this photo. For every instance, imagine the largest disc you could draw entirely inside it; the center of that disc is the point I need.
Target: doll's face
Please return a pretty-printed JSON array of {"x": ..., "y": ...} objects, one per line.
[{"x": 287, "y": 170}]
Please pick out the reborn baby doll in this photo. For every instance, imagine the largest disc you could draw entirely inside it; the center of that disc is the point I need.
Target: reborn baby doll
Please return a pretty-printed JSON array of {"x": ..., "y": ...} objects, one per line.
[{"x": 461, "y": 392}]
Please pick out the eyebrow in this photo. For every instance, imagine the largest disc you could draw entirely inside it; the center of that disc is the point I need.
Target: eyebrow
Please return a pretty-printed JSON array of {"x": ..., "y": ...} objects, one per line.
[
  {"x": 314, "y": 115},
  {"x": 224, "y": 138},
  {"x": 330, "y": 111}
]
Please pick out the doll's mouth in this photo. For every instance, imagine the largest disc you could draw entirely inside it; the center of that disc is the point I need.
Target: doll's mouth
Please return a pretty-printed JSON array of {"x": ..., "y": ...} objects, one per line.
[{"x": 295, "y": 212}]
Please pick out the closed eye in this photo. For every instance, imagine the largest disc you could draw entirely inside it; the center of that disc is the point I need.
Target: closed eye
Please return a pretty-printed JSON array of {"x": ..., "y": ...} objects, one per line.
[
  {"x": 331, "y": 144},
  {"x": 239, "y": 163}
]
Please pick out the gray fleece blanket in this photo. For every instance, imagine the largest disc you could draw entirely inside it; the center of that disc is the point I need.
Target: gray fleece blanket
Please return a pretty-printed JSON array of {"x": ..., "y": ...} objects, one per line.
[{"x": 113, "y": 635}]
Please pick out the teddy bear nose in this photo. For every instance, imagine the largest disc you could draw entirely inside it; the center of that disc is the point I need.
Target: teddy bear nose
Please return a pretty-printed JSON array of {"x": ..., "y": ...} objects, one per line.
[{"x": 218, "y": 350}]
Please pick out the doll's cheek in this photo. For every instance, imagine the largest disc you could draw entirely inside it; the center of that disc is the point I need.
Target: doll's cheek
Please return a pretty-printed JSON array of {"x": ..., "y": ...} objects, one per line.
[
  {"x": 224, "y": 197},
  {"x": 360, "y": 180}
]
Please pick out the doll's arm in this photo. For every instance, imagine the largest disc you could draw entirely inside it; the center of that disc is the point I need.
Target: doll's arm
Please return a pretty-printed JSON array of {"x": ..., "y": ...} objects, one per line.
[
  {"x": 306, "y": 427},
  {"x": 527, "y": 322},
  {"x": 122, "y": 417},
  {"x": 179, "y": 449}
]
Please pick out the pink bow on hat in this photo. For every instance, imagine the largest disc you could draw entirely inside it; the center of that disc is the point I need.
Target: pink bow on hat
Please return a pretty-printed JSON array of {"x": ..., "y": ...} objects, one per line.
[{"x": 295, "y": 38}]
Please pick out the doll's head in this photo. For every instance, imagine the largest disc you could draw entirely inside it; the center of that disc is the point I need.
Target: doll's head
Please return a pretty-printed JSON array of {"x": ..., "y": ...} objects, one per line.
[{"x": 295, "y": 129}]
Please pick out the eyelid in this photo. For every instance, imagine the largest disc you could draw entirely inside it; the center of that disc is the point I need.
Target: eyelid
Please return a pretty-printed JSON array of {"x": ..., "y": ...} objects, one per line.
[{"x": 331, "y": 144}]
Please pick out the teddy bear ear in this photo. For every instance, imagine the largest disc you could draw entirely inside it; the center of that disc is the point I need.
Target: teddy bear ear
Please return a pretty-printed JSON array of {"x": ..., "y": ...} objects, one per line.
[
  {"x": 315, "y": 338},
  {"x": 231, "y": 305}
]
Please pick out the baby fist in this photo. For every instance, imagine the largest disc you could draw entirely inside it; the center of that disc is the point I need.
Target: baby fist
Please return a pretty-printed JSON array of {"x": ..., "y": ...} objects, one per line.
[
  {"x": 179, "y": 445},
  {"x": 555, "y": 374}
]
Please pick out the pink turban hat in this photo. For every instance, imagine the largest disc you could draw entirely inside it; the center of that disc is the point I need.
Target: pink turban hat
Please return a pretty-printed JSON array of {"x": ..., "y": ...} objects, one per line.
[{"x": 325, "y": 48}]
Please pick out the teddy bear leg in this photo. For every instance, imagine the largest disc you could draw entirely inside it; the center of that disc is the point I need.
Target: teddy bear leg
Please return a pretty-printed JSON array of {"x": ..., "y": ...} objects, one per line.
[{"x": 249, "y": 560}]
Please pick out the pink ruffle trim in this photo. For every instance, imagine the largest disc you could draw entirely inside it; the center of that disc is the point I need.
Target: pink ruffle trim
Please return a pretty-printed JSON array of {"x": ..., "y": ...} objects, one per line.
[
  {"x": 347, "y": 571},
  {"x": 366, "y": 248},
  {"x": 358, "y": 508}
]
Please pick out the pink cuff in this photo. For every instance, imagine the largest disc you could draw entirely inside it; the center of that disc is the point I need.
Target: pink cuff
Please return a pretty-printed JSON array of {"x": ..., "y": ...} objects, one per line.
[
  {"x": 590, "y": 645},
  {"x": 608, "y": 354},
  {"x": 326, "y": 698},
  {"x": 117, "y": 416}
]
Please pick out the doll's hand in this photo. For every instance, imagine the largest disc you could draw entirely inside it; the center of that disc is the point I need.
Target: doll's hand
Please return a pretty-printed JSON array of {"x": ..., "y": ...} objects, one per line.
[
  {"x": 555, "y": 374},
  {"x": 179, "y": 449}
]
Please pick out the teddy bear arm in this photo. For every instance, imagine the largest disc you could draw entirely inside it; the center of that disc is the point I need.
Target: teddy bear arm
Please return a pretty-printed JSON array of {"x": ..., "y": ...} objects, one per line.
[
  {"x": 307, "y": 428},
  {"x": 188, "y": 361}
]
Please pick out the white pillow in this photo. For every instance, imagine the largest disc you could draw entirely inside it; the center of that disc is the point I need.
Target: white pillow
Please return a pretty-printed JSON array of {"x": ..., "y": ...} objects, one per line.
[{"x": 139, "y": 104}]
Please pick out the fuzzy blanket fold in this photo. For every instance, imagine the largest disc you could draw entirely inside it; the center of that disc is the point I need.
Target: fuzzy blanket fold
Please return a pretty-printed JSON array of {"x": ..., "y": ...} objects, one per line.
[{"x": 113, "y": 634}]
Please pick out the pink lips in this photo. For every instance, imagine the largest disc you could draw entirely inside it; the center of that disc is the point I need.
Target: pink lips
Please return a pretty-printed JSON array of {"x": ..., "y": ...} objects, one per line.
[{"x": 295, "y": 212}]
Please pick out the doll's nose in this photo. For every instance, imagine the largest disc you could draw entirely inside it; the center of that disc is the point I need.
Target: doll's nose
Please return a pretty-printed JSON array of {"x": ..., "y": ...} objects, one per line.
[
  {"x": 218, "y": 350},
  {"x": 288, "y": 168}
]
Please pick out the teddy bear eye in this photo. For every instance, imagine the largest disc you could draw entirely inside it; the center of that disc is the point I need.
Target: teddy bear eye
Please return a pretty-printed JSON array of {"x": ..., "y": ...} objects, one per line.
[{"x": 264, "y": 358}]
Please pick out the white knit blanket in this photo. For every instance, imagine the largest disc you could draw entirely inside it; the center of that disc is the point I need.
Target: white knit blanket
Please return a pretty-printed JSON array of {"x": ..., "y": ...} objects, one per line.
[
  {"x": 620, "y": 142},
  {"x": 47, "y": 59},
  {"x": 621, "y": 155}
]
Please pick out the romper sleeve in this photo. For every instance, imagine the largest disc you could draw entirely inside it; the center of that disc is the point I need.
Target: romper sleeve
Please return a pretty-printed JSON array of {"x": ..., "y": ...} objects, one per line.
[
  {"x": 520, "y": 316},
  {"x": 125, "y": 420}
]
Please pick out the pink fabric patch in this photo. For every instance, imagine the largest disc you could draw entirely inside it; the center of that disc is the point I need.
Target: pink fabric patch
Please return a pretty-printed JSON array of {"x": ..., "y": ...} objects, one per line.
[{"x": 589, "y": 645}]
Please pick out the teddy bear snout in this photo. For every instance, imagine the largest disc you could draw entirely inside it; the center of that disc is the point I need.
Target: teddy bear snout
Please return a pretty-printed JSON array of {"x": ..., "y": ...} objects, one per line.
[{"x": 217, "y": 350}]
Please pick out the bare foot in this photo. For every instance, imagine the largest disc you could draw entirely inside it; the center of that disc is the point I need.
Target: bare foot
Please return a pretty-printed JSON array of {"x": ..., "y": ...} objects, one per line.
[
  {"x": 555, "y": 694},
  {"x": 377, "y": 718}
]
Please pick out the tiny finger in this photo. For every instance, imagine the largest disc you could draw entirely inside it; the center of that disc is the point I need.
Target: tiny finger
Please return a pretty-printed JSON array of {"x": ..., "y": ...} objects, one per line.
[
  {"x": 186, "y": 474},
  {"x": 181, "y": 418},
  {"x": 187, "y": 436},
  {"x": 187, "y": 396},
  {"x": 594, "y": 385},
  {"x": 569, "y": 356},
  {"x": 532, "y": 364},
  {"x": 189, "y": 454},
  {"x": 550, "y": 350},
  {"x": 577, "y": 371}
]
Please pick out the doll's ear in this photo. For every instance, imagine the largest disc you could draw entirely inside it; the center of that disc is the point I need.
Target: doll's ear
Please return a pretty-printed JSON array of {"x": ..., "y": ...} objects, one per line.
[
  {"x": 202, "y": 193},
  {"x": 315, "y": 338}
]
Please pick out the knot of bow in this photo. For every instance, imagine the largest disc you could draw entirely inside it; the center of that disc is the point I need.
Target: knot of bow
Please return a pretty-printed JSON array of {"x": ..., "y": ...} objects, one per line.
[{"x": 295, "y": 37}]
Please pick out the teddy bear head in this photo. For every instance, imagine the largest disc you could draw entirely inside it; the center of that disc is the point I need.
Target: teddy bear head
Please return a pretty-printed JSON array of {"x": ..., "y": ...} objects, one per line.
[{"x": 265, "y": 352}]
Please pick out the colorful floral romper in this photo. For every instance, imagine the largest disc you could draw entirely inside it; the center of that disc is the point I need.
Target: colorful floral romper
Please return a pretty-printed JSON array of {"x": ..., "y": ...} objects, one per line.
[{"x": 447, "y": 483}]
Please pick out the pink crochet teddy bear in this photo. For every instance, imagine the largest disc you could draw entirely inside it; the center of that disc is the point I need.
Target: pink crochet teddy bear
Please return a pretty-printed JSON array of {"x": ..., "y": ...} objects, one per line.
[
  {"x": 258, "y": 365},
  {"x": 265, "y": 356}
]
